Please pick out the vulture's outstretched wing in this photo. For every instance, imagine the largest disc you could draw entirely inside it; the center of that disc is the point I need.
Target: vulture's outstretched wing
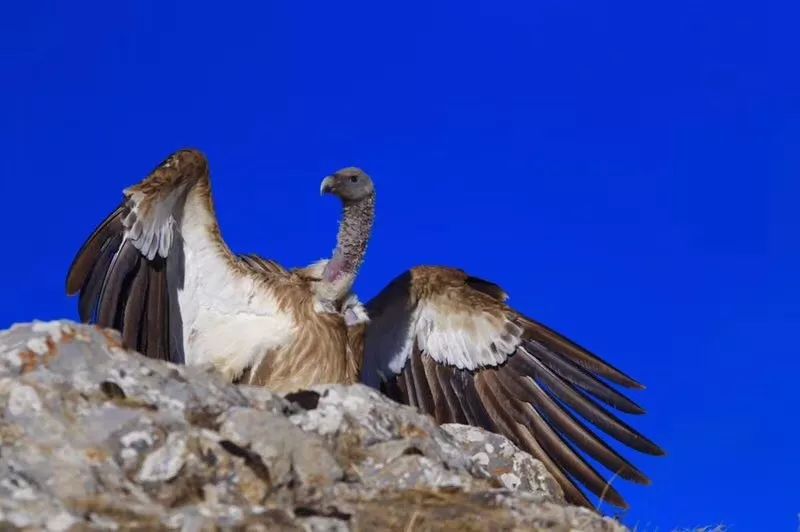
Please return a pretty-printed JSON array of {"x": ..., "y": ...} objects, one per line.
[
  {"x": 448, "y": 344},
  {"x": 127, "y": 272}
]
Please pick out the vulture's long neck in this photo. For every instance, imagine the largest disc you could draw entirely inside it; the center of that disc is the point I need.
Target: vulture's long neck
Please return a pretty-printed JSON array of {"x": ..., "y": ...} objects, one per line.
[{"x": 351, "y": 246}]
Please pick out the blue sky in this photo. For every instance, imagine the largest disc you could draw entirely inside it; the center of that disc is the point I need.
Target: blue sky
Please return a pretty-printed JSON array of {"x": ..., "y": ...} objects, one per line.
[{"x": 629, "y": 173}]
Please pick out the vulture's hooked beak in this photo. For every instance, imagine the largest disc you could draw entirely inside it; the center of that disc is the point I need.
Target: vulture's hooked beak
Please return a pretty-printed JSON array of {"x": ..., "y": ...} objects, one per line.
[{"x": 326, "y": 185}]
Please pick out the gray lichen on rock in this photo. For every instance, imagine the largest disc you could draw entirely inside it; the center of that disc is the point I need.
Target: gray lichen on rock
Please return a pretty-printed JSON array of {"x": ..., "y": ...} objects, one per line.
[{"x": 96, "y": 437}]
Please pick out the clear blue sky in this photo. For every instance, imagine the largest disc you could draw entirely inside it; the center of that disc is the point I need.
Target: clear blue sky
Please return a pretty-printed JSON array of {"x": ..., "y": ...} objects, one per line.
[{"x": 629, "y": 173}]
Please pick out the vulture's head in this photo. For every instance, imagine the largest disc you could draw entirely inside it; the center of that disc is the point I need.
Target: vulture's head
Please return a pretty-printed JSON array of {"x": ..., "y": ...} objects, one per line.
[{"x": 349, "y": 184}]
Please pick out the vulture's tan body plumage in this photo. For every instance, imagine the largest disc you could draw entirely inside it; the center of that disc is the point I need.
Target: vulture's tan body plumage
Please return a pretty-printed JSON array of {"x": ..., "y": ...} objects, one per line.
[{"x": 435, "y": 337}]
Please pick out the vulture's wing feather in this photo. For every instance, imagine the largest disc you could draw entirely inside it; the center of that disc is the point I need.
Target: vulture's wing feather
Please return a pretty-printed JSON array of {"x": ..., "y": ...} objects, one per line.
[
  {"x": 128, "y": 271},
  {"x": 93, "y": 284},
  {"x": 448, "y": 344}
]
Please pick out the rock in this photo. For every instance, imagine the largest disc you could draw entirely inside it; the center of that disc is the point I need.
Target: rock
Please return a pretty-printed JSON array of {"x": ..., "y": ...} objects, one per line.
[
  {"x": 96, "y": 437},
  {"x": 516, "y": 469}
]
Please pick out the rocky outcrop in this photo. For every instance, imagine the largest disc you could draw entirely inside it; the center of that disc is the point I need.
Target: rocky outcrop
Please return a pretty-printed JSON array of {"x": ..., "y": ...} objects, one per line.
[{"x": 95, "y": 437}]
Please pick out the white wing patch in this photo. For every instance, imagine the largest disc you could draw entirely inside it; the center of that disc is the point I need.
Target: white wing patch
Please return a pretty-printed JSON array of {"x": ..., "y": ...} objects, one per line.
[
  {"x": 465, "y": 338},
  {"x": 443, "y": 326},
  {"x": 150, "y": 223}
]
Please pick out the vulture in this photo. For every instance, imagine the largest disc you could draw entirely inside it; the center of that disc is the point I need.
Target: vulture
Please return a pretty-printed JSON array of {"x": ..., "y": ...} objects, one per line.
[{"x": 436, "y": 338}]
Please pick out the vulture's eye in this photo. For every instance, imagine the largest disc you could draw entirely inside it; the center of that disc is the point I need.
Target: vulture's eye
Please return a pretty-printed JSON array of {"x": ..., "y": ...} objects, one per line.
[{"x": 353, "y": 178}]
